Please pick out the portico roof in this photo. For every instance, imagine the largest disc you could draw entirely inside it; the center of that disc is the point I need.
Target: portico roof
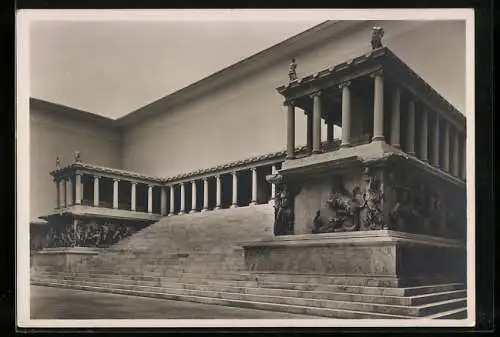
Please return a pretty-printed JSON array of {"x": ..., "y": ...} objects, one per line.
[{"x": 379, "y": 59}]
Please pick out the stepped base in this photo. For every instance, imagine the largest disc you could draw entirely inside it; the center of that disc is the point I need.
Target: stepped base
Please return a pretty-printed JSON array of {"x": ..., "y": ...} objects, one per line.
[
  {"x": 365, "y": 253},
  {"x": 63, "y": 259}
]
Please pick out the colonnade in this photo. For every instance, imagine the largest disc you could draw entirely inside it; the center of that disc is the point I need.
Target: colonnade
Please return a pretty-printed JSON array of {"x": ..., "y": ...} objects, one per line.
[
  {"x": 192, "y": 184},
  {"x": 432, "y": 129},
  {"x": 71, "y": 187}
]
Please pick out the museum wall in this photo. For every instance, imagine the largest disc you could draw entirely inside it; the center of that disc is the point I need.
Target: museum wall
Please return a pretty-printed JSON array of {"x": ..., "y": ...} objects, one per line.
[
  {"x": 51, "y": 135},
  {"x": 247, "y": 117}
]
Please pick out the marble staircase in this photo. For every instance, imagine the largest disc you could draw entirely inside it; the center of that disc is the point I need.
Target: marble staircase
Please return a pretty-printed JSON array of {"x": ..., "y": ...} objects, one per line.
[{"x": 197, "y": 258}]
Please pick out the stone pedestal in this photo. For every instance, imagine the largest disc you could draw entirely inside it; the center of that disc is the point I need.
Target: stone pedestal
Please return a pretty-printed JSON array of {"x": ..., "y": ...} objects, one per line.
[
  {"x": 418, "y": 259},
  {"x": 62, "y": 259}
]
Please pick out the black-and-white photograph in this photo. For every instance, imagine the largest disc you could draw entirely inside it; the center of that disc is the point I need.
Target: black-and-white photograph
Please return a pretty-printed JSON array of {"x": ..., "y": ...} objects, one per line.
[{"x": 227, "y": 168}]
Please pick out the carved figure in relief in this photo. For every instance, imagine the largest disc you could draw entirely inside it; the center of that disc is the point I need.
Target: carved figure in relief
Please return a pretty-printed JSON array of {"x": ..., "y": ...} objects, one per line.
[
  {"x": 341, "y": 212},
  {"x": 377, "y": 35},
  {"x": 292, "y": 70},
  {"x": 371, "y": 216},
  {"x": 402, "y": 214},
  {"x": 283, "y": 213},
  {"x": 58, "y": 163}
]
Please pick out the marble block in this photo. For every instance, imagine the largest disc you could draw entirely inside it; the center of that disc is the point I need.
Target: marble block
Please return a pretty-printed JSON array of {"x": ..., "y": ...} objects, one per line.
[
  {"x": 62, "y": 259},
  {"x": 362, "y": 253}
]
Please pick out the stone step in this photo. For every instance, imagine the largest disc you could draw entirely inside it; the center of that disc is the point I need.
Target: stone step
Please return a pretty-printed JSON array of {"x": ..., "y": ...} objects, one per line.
[
  {"x": 409, "y": 291},
  {"x": 339, "y": 295},
  {"x": 305, "y": 310},
  {"x": 317, "y": 286},
  {"x": 368, "y": 280},
  {"x": 459, "y": 313},
  {"x": 414, "y": 311}
]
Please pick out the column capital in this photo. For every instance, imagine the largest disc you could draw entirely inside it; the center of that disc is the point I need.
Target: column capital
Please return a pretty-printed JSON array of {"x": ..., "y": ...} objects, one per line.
[
  {"x": 344, "y": 84},
  {"x": 151, "y": 185},
  {"x": 316, "y": 93},
  {"x": 289, "y": 103},
  {"x": 116, "y": 179},
  {"x": 253, "y": 169},
  {"x": 379, "y": 72},
  {"x": 133, "y": 183},
  {"x": 96, "y": 176},
  {"x": 205, "y": 179}
]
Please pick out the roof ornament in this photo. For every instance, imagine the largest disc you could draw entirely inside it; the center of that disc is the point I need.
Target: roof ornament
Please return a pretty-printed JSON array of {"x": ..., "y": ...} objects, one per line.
[
  {"x": 77, "y": 156},
  {"x": 58, "y": 162},
  {"x": 292, "y": 71},
  {"x": 377, "y": 35}
]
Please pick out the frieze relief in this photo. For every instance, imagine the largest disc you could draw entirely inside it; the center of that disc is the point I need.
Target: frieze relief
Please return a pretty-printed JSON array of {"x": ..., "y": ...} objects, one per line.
[
  {"x": 283, "y": 205},
  {"x": 90, "y": 234},
  {"x": 384, "y": 201}
]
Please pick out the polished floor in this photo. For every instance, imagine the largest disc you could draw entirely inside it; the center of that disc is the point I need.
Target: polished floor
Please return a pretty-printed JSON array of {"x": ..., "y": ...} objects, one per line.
[{"x": 56, "y": 303}]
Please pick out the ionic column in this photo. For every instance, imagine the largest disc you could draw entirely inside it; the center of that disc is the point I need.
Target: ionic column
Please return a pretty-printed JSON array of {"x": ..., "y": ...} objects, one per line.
[
  {"x": 193, "y": 197},
  {"x": 464, "y": 158},
  {"x": 290, "y": 147},
  {"x": 346, "y": 114},
  {"x": 435, "y": 142},
  {"x": 78, "y": 189},
  {"x": 235, "y": 191},
  {"x": 205, "y": 194},
  {"x": 410, "y": 132},
  {"x": 446, "y": 147},
  {"x": 455, "y": 165},
  {"x": 69, "y": 191},
  {"x": 217, "y": 192},
  {"x": 423, "y": 136},
  {"x": 58, "y": 193},
  {"x": 273, "y": 186},
  {"x": 63, "y": 193},
  {"x": 329, "y": 133},
  {"x": 115, "y": 193},
  {"x": 254, "y": 186},
  {"x": 150, "y": 198},
  {"x": 172, "y": 200},
  {"x": 163, "y": 201},
  {"x": 96, "y": 191},
  {"x": 183, "y": 199},
  {"x": 309, "y": 132},
  {"x": 378, "y": 107},
  {"x": 396, "y": 118},
  {"x": 316, "y": 122},
  {"x": 133, "y": 196}
]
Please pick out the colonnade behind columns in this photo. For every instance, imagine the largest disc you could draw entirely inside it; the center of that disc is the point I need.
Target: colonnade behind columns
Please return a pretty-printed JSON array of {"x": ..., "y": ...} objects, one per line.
[
  {"x": 237, "y": 188},
  {"x": 395, "y": 115}
]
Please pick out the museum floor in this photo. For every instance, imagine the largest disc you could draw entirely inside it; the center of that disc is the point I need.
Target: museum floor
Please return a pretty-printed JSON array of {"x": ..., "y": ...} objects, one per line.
[{"x": 56, "y": 303}]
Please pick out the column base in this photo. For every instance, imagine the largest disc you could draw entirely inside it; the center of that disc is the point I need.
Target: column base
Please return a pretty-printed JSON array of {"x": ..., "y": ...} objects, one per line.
[
  {"x": 170, "y": 214},
  {"x": 253, "y": 203},
  {"x": 411, "y": 153},
  {"x": 316, "y": 151},
  {"x": 234, "y": 206},
  {"x": 204, "y": 210},
  {"x": 217, "y": 208},
  {"x": 291, "y": 156},
  {"x": 343, "y": 145},
  {"x": 378, "y": 139},
  {"x": 181, "y": 213},
  {"x": 397, "y": 146},
  {"x": 193, "y": 211}
]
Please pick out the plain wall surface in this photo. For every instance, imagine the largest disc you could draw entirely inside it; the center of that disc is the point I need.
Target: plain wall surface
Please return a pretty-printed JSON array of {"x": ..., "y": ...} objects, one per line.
[
  {"x": 247, "y": 117},
  {"x": 52, "y": 136}
]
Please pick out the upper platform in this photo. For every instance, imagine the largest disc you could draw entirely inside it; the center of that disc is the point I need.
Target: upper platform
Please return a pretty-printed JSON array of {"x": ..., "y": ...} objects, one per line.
[{"x": 380, "y": 59}]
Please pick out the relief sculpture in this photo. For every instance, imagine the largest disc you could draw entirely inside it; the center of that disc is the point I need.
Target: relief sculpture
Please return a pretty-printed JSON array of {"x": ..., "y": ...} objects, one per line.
[
  {"x": 87, "y": 235},
  {"x": 283, "y": 206}
]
